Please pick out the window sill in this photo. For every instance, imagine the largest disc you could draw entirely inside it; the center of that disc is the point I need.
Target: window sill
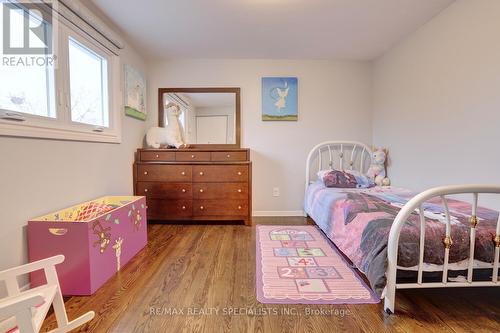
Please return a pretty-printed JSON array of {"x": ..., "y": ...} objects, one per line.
[{"x": 33, "y": 131}]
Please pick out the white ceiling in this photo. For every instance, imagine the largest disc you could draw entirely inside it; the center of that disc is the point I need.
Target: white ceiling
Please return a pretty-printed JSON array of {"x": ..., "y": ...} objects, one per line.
[{"x": 292, "y": 29}]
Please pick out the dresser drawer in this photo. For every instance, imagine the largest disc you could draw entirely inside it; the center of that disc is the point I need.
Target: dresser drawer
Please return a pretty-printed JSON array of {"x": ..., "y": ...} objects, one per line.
[
  {"x": 165, "y": 190},
  {"x": 220, "y": 173},
  {"x": 220, "y": 207},
  {"x": 220, "y": 156},
  {"x": 157, "y": 156},
  {"x": 164, "y": 173},
  {"x": 220, "y": 191},
  {"x": 196, "y": 156},
  {"x": 169, "y": 209}
]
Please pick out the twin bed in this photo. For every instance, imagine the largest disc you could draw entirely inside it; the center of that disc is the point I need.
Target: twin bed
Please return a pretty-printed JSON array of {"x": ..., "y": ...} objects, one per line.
[{"x": 380, "y": 228}]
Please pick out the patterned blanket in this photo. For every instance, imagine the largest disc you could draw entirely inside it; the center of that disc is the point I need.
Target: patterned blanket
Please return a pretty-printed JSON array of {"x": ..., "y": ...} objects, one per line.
[{"x": 358, "y": 221}]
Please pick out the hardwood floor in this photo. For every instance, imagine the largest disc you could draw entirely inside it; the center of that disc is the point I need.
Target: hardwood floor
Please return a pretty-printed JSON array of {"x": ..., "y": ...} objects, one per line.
[{"x": 188, "y": 268}]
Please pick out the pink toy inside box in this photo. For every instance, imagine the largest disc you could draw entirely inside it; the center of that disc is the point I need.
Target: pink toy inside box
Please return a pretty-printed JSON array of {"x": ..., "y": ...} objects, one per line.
[{"x": 97, "y": 238}]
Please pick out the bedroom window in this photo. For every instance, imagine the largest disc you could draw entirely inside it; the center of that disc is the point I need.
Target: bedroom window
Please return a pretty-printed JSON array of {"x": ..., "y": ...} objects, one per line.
[
  {"x": 25, "y": 89},
  {"x": 88, "y": 73},
  {"x": 70, "y": 93},
  {"x": 28, "y": 90}
]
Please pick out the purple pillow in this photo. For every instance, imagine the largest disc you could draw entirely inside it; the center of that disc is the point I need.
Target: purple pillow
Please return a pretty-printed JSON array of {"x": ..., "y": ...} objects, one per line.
[
  {"x": 341, "y": 179},
  {"x": 345, "y": 179}
]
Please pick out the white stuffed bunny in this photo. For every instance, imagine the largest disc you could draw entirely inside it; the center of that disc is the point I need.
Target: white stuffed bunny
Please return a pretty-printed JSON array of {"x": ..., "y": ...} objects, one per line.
[
  {"x": 376, "y": 171},
  {"x": 172, "y": 134}
]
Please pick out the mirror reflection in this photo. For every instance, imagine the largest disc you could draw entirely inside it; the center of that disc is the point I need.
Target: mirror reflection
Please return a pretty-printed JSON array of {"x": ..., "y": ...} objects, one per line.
[{"x": 206, "y": 118}]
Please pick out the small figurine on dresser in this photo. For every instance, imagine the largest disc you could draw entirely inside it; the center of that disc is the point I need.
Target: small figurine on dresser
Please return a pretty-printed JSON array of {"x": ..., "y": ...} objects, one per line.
[{"x": 170, "y": 136}]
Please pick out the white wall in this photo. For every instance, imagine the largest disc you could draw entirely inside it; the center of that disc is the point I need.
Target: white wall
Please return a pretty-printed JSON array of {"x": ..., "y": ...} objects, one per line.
[
  {"x": 40, "y": 176},
  {"x": 437, "y": 99},
  {"x": 334, "y": 103}
]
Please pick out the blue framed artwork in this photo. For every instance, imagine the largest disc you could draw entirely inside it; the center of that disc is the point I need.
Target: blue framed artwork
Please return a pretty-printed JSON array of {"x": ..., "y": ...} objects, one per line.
[{"x": 279, "y": 98}]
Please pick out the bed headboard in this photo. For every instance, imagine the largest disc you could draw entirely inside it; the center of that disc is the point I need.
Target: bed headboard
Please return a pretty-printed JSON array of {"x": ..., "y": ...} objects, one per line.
[{"x": 339, "y": 155}]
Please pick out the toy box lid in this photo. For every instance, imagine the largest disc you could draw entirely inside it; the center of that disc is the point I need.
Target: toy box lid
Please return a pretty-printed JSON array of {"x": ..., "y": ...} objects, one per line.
[{"x": 88, "y": 211}]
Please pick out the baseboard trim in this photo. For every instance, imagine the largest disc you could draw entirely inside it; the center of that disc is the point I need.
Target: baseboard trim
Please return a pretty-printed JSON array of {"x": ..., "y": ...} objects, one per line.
[{"x": 278, "y": 213}]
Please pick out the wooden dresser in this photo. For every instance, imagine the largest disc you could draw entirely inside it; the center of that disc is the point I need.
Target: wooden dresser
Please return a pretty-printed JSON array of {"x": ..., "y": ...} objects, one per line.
[{"x": 195, "y": 184}]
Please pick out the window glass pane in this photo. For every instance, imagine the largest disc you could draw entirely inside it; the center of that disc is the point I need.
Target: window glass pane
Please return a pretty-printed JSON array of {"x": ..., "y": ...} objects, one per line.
[
  {"x": 25, "y": 85},
  {"x": 182, "y": 117},
  {"x": 88, "y": 85}
]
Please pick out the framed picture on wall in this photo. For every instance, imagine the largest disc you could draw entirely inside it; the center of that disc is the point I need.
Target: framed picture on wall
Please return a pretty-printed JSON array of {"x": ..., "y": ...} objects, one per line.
[
  {"x": 279, "y": 98},
  {"x": 135, "y": 93}
]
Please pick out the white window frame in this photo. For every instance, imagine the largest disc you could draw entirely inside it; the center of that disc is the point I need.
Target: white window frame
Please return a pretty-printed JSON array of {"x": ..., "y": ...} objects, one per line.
[{"x": 62, "y": 127}]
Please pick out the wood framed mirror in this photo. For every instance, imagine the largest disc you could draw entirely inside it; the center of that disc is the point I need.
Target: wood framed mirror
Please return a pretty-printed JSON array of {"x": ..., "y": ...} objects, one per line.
[{"x": 210, "y": 117}]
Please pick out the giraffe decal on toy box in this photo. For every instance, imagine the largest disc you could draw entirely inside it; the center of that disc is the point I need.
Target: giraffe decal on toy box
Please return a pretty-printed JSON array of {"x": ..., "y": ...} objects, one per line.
[{"x": 118, "y": 252}]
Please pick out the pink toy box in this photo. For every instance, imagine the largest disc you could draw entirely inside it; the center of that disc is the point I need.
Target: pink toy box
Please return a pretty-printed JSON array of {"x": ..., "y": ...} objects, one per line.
[{"x": 97, "y": 238}]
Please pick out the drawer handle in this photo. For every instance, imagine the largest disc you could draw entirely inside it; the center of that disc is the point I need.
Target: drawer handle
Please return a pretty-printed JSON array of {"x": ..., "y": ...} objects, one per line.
[
  {"x": 239, "y": 173},
  {"x": 58, "y": 231},
  {"x": 145, "y": 172},
  {"x": 228, "y": 155},
  {"x": 239, "y": 207},
  {"x": 201, "y": 190},
  {"x": 145, "y": 190},
  {"x": 183, "y": 173},
  {"x": 239, "y": 190},
  {"x": 192, "y": 156},
  {"x": 157, "y": 156},
  {"x": 183, "y": 207},
  {"x": 202, "y": 208},
  {"x": 183, "y": 190},
  {"x": 201, "y": 173}
]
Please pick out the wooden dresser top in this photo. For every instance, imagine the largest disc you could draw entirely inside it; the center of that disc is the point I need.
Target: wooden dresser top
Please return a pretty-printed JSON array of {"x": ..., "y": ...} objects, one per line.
[
  {"x": 192, "y": 149},
  {"x": 184, "y": 156}
]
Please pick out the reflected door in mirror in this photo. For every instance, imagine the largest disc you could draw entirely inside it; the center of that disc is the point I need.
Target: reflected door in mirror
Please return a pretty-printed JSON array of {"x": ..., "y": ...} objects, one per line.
[{"x": 212, "y": 130}]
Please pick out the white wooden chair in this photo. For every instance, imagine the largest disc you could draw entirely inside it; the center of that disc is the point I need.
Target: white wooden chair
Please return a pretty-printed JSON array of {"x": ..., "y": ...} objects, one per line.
[{"x": 25, "y": 311}]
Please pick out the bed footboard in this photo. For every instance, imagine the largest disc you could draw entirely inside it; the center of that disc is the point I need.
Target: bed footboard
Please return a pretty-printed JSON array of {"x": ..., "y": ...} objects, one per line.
[{"x": 416, "y": 204}]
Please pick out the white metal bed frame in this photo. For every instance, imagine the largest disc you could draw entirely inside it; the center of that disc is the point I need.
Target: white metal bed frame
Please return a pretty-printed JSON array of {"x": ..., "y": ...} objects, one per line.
[{"x": 357, "y": 162}]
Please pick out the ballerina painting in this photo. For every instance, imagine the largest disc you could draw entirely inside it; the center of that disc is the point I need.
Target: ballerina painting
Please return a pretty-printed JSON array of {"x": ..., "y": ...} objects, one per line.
[
  {"x": 279, "y": 98},
  {"x": 282, "y": 94}
]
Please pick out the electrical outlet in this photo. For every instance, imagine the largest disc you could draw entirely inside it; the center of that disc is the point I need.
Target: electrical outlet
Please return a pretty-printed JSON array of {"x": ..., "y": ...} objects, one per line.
[{"x": 276, "y": 191}]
